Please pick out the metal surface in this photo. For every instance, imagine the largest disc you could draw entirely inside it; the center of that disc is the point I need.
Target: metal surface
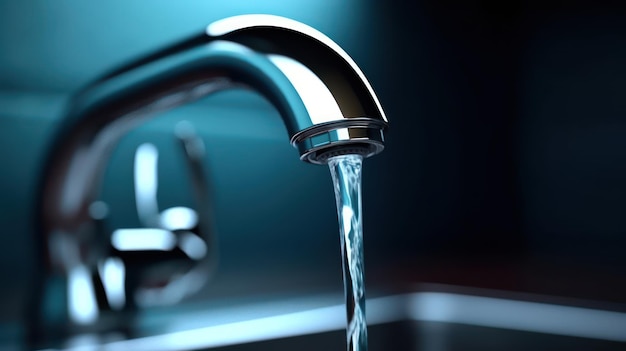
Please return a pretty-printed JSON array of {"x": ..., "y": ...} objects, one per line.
[{"x": 327, "y": 106}]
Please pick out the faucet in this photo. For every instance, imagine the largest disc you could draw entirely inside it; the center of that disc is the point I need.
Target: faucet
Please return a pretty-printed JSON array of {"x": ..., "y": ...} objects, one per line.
[{"x": 326, "y": 103}]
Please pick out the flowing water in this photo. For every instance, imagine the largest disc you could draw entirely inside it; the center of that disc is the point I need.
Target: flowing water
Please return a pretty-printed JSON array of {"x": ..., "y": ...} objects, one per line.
[{"x": 346, "y": 174}]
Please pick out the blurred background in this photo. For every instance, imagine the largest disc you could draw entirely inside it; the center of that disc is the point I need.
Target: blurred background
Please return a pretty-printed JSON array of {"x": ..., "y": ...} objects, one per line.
[{"x": 505, "y": 165}]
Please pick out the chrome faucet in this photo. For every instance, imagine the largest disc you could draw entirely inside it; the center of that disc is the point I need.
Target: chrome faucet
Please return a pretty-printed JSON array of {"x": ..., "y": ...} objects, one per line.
[{"x": 325, "y": 101}]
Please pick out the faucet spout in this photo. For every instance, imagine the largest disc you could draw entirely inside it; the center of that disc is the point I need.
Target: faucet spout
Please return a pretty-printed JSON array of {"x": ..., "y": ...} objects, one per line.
[
  {"x": 312, "y": 81},
  {"x": 327, "y": 105}
]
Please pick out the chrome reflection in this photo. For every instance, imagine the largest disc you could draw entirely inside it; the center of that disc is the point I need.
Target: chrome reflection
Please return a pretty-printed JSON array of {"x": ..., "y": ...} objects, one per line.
[
  {"x": 315, "y": 95},
  {"x": 146, "y": 183},
  {"x": 146, "y": 187},
  {"x": 235, "y": 23},
  {"x": 143, "y": 239},
  {"x": 81, "y": 299},
  {"x": 177, "y": 218},
  {"x": 113, "y": 273},
  {"x": 192, "y": 245}
]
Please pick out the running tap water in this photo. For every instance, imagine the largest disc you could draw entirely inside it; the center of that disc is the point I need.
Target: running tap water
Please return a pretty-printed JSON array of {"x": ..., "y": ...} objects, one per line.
[{"x": 346, "y": 174}]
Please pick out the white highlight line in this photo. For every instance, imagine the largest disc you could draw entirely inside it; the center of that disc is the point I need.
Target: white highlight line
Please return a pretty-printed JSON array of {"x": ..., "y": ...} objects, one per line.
[{"x": 420, "y": 306}]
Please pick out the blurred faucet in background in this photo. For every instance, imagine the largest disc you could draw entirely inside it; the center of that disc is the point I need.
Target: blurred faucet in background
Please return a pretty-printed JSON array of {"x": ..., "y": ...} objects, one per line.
[
  {"x": 183, "y": 238},
  {"x": 171, "y": 256},
  {"x": 325, "y": 101}
]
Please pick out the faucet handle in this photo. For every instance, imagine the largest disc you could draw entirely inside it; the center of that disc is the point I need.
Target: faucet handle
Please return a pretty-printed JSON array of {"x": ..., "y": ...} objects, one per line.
[
  {"x": 194, "y": 228},
  {"x": 174, "y": 254}
]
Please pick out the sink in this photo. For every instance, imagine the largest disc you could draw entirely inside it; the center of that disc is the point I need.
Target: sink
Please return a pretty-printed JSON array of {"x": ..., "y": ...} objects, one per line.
[{"x": 431, "y": 319}]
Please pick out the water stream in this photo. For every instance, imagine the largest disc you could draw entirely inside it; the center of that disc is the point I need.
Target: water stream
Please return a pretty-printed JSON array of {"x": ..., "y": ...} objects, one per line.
[{"x": 346, "y": 174}]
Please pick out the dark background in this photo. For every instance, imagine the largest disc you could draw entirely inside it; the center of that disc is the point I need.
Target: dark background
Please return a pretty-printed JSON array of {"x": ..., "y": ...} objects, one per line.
[
  {"x": 505, "y": 164},
  {"x": 507, "y": 156}
]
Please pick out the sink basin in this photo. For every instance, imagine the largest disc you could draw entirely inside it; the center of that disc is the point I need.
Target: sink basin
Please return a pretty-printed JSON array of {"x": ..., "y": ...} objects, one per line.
[
  {"x": 435, "y": 336},
  {"x": 430, "y": 320}
]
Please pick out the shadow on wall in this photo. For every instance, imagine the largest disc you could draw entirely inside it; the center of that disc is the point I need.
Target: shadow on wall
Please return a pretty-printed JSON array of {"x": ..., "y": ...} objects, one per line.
[{"x": 507, "y": 145}]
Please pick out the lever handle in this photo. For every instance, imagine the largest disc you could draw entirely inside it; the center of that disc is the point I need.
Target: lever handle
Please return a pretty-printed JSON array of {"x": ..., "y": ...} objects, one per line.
[{"x": 175, "y": 253}]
